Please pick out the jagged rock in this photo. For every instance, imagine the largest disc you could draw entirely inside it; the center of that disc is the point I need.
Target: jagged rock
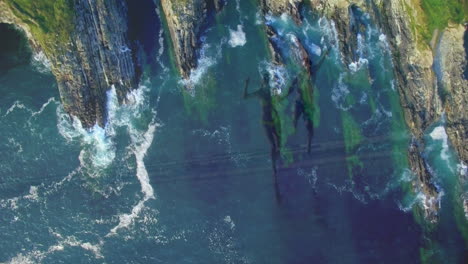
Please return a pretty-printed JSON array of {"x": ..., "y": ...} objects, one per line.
[
  {"x": 278, "y": 7},
  {"x": 94, "y": 57},
  {"x": 424, "y": 182},
  {"x": 413, "y": 64},
  {"x": 453, "y": 85},
  {"x": 413, "y": 70},
  {"x": 185, "y": 21},
  {"x": 273, "y": 46},
  {"x": 339, "y": 12}
]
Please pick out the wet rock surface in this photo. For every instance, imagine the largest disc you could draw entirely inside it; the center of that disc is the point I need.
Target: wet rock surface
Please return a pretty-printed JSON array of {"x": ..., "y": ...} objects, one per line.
[{"x": 95, "y": 57}]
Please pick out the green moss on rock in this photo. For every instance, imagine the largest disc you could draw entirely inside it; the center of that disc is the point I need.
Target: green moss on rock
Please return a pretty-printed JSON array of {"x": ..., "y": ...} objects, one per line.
[{"x": 50, "y": 22}]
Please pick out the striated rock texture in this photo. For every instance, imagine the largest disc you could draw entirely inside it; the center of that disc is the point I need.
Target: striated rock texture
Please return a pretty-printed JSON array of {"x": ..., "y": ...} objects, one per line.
[
  {"x": 340, "y": 11},
  {"x": 87, "y": 58},
  {"x": 186, "y": 20},
  {"x": 416, "y": 84},
  {"x": 416, "y": 80},
  {"x": 278, "y": 7},
  {"x": 451, "y": 62},
  {"x": 451, "y": 65}
]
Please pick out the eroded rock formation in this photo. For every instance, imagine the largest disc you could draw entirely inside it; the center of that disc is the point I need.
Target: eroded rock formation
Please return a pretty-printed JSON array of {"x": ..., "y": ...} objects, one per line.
[
  {"x": 91, "y": 57},
  {"x": 186, "y": 20}
]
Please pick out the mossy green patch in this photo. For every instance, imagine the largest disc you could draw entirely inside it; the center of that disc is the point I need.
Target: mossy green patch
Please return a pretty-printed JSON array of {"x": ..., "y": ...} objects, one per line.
[
  {"x": 51, "y": 22},
  {"x": 310, "y": 98},
  {"x": 284, "y": 126},
  {"x": 352, "y": 139},
  {"x": 351, "y": 132},
  {"x": 201, "y": 100},
  {"x": 436, "y": 14},
  {"x": 439, "y": 12},
  {"x": 353, "y": 162}
]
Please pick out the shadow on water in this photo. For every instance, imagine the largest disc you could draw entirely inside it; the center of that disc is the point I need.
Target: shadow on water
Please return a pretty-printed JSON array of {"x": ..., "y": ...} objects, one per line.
[
  {"x": 14, "y": 48},
  {"x": 144, "y": 26}
]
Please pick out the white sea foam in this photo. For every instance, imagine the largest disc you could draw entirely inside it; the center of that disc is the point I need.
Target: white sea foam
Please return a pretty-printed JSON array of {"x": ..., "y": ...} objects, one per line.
[
  {"x": 12, "y": 142},
  {"x": 141, "y": 144},
  {"x": 237, "y": 37},
  {"x": 16, "y": 105},
  {"x": 124, "y": 116},
  {"x": 278, "y": 76},
  {"x": 330, "y": 33},
  {"x": 439, "y": 133},
  {"x": 98, "y": 150},
  {"x": 316, "y": 50},
  {"x": 339, "y": 92},
  {"x": 41, "y": 63},
  {"x": 206, "y": 60},
  {"x": 98, "y": 147},
  {"x": 49, "y": 101},
  {"x": 229, "y": 221},
  {"x": 37, "y": 256},
  {"x": 462, "y": 169},
  {"x": 357, "y": 65}
]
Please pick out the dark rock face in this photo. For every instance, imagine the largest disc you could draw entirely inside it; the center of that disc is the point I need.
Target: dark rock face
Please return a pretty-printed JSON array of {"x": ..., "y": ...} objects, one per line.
[
  {"x": 415, "y": 79},
  {"x": 98, "y": 57},
  {"x": 453, "y": 87},
  {"x": 185, "y": 21},
  {"x": 278, "y": 7},
  {"x": 95, "y": 56}
]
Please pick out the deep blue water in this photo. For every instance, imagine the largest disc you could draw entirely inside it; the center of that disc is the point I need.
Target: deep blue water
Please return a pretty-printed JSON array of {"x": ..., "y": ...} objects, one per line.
[{"x": 185, "y": 176}]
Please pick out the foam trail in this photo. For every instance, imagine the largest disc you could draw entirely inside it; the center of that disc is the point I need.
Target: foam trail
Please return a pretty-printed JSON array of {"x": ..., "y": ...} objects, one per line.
[
  {"x": 37, "y": 256},
  {"x": 51, "y": 100},
  {"x": 16, "y": 105},
  {"x": 205, "y": 62},
  {"x": 142, "y": 145},
  {"x": 339, "y": 93}
]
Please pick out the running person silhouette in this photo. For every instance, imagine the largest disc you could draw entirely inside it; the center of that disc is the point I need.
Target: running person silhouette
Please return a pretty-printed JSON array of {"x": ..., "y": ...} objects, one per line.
[
  {"x": 270, "y": 119},
  {"x": 304, "y": 101}
]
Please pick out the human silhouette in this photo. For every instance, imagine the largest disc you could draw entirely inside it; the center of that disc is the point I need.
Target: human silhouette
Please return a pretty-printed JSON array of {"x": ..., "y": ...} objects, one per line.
[
  {"x": 304, "y": 102},
  {"x": 270, "y": 119}
]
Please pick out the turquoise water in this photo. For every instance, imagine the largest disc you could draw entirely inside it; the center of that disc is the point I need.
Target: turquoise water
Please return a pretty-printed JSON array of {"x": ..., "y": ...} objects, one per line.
[{"x": 185, "y": 176}]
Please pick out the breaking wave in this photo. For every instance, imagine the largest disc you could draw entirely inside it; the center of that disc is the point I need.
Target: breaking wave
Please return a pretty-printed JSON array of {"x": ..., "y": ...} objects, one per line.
[
  {"x": 208, "y": 57},
  {"x": 98, "y": 146},
  {"x": 440, "y": 134},
  {"x": 40, "y": 62},
  {"x": 237, "y": 37},
  {"x": 278, "y": 76}
]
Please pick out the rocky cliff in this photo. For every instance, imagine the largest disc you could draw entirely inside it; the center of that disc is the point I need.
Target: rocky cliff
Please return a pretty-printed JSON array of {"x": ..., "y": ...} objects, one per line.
[
  {"x": 186, "y": 20},
  {"x": 450, "y": 64},
  {"x": 89, "y": 50},
  {"x": 403, "y": 23}
]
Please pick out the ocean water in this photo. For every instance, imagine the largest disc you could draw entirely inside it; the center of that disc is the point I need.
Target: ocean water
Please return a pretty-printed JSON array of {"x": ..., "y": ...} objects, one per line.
[{"x": 184, "y": 175}]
